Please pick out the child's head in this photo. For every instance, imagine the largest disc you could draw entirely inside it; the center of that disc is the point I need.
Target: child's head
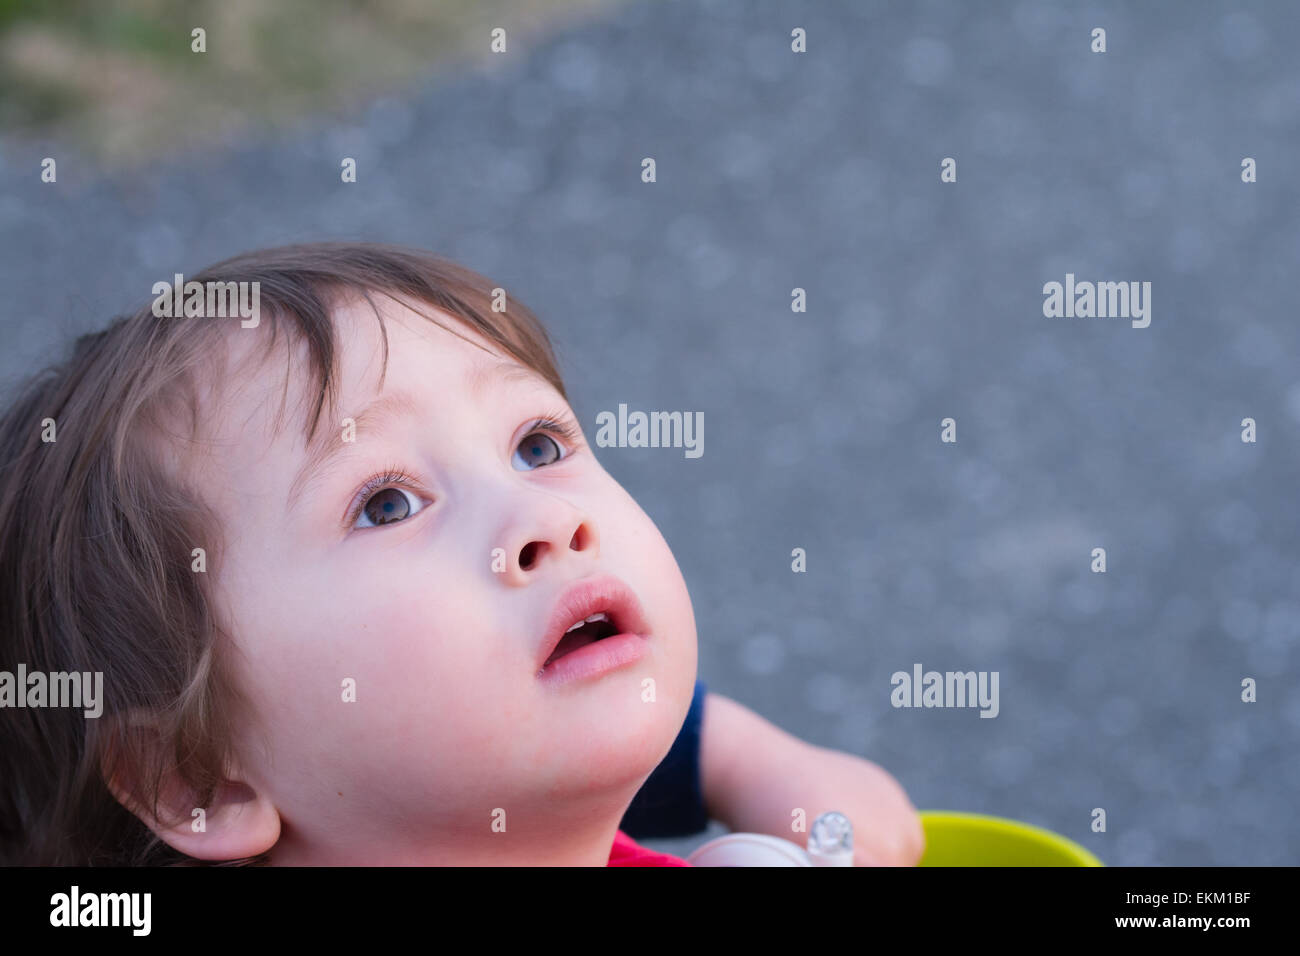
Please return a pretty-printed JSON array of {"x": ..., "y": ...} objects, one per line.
[{"x": 347, "y": 671}]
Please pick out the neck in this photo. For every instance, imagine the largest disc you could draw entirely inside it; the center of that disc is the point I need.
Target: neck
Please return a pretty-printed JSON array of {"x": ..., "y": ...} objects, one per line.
[{"x": 576, "y": 833}]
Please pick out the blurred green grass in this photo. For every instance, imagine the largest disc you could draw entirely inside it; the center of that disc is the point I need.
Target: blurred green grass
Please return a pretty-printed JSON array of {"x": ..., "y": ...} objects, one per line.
[{"x": 117, "y": 78}]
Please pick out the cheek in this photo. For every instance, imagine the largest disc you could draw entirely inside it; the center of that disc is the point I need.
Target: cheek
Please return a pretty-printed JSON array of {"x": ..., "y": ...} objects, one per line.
[
  {"x": 427, "y": 676},
  {"x": 641, "y": 549}
]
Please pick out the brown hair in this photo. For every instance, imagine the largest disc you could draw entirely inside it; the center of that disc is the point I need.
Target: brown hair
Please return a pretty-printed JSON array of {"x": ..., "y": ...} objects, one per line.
[{"x": 97, "y": 529}]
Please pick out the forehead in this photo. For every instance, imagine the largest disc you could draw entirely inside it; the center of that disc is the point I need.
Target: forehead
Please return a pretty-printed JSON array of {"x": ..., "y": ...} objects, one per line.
[{"x": 269, "y": 395}]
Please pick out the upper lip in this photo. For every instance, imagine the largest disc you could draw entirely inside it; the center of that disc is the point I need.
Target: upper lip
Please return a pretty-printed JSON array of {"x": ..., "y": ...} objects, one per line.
[{"x": 585, "y": 598}]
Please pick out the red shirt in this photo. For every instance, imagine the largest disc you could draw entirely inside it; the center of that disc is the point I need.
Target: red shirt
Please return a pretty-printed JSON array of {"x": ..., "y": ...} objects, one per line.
[{"x": 627, "y": 852}]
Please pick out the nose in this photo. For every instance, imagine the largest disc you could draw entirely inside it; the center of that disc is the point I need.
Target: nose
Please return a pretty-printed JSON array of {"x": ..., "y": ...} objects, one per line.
[{"x": 553, "y": 530}]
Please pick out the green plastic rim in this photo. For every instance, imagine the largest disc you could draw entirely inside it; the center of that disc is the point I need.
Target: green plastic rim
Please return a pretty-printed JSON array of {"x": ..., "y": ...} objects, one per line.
[{"x": 974, "y": 839}]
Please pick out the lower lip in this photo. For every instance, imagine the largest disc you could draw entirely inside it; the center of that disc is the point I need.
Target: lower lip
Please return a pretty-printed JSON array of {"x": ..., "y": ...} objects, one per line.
[{"x": 592, "y": 660}]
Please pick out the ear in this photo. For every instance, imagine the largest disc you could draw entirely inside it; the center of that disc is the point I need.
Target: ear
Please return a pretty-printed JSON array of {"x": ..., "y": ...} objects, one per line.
[{"x": 240, "y": 820}]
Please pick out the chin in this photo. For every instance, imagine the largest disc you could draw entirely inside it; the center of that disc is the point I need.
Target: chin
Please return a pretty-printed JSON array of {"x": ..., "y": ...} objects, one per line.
[{"x": 620, "y": 737}]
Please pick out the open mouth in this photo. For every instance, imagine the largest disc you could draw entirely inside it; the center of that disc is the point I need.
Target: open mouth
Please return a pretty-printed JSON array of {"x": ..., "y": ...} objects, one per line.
[
  {"x": 588, "y": 631},
  {"x": 596, "y": 610}
]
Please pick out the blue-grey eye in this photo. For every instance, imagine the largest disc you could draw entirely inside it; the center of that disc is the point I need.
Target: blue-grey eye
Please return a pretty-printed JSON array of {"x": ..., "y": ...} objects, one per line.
[
  {"x": 537, "y": 449},
  {"x": 385, "y": 506}
]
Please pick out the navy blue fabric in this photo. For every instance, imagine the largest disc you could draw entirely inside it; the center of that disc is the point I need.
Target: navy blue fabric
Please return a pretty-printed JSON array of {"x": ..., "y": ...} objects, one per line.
[{"x": 671, "y": 801}]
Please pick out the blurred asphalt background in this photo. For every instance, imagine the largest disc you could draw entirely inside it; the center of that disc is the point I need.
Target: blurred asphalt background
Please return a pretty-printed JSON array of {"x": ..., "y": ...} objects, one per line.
[{"x": 821, "y": 171}]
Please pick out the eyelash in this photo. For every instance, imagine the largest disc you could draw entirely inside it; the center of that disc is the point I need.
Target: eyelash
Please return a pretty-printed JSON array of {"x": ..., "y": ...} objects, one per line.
[
  {"x": 559, "y": 423},
  {"x": 393, "y": 475}
]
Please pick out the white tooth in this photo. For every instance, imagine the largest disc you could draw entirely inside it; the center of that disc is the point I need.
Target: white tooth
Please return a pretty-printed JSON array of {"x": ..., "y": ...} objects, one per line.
[{"x": 595, "y": 617}]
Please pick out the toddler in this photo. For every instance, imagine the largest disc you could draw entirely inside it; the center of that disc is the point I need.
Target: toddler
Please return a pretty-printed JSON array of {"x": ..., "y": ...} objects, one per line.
[{"x": 360, "y": 593}]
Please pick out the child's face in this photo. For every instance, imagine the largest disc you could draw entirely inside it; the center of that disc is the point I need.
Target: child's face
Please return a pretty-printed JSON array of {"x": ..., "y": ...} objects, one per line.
[{"x": 451, "y": 721}]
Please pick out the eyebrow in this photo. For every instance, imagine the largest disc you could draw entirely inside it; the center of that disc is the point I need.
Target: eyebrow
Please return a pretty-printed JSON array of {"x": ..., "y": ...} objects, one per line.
[
  {"x": 478, "y": 378},
  {"x": 381, "y": 412}
]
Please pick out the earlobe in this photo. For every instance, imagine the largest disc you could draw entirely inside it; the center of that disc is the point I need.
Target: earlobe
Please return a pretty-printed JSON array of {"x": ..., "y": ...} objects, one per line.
[{"x": 239, "y": 822}]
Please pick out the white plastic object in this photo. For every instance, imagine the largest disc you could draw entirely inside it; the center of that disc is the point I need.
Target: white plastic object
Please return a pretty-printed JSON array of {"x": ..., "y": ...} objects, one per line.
[
  {"x": 749, "y": 849},
  {"x": 830, "y": 843}
]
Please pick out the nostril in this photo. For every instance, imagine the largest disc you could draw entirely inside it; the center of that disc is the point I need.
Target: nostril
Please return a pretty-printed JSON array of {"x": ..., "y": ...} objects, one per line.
[
  {"x": 528, "y": 555},
  {"x": 580, "y": 539}
]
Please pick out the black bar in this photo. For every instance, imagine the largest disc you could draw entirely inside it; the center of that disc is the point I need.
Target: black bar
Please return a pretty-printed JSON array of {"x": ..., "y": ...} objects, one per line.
[{"x": 236, "y": 904}]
